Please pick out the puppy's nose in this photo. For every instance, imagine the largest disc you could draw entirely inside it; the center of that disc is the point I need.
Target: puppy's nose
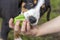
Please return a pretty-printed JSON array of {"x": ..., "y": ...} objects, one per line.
[{"x": 32, "y": 19}]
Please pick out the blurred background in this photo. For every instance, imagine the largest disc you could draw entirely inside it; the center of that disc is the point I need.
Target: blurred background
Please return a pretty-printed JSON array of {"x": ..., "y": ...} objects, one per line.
[{"x": 55, "y": 4}]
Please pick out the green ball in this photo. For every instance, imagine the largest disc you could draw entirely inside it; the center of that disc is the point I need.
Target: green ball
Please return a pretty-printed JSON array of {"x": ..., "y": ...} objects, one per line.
[{"x": 19, "y": 17}]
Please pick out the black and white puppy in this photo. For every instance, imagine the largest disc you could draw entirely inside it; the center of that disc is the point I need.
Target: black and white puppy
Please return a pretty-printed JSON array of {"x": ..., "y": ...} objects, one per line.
[{"x": 34, "y": 9}]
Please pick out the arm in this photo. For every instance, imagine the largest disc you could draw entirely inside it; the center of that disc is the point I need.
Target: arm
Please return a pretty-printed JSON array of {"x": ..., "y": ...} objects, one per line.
[{"x": 52, "y": 26}]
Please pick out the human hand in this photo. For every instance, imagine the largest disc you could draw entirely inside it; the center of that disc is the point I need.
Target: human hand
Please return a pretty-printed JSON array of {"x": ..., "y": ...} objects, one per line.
[{"x": 25, "y": 29}]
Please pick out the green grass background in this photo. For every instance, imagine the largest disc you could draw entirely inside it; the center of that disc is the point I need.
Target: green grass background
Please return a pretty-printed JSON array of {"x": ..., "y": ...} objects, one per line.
[{"x": 54, "y": 13}]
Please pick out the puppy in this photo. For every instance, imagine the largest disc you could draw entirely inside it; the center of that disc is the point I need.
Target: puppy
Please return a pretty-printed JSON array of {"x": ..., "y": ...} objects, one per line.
[{"x": 34, "y": 9}]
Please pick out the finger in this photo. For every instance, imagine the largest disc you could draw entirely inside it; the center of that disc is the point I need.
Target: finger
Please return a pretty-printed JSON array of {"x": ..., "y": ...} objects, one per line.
[
  {"x": 11, "y": 25},
  {"x": 17, "y": 27},
  {"x": 28, "y": 25},
  {"x": 23, "y": 28}
]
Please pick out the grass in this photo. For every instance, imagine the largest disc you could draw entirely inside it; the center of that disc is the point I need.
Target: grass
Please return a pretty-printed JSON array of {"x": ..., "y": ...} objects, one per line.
[
  {"x": 0, "y": 22},
  {"x": 54, "y": 13}
]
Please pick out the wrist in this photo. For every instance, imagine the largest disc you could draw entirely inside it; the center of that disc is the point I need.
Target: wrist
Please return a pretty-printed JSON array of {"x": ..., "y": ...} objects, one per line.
[{"x": 34, "y": 31}]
